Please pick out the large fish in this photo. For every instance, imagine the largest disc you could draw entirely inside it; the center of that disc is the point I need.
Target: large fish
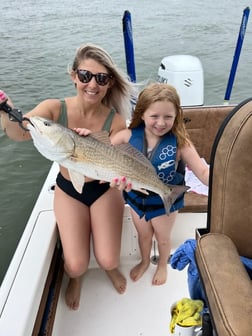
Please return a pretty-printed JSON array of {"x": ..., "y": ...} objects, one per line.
[{"x": 94, "y": 156}]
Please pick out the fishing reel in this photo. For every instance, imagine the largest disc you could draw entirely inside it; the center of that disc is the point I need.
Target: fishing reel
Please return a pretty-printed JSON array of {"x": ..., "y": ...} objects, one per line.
[{"x": 15, "y": 115}]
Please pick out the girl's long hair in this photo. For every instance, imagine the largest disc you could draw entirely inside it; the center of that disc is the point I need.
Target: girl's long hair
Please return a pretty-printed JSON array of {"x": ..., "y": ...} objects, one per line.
[{"x": 161, "y": 92}]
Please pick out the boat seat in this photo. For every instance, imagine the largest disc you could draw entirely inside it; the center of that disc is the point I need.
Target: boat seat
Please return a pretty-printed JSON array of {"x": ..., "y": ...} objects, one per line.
[
  {"x": 202, "y": 123},
  {"x": 227, "y": 284}
]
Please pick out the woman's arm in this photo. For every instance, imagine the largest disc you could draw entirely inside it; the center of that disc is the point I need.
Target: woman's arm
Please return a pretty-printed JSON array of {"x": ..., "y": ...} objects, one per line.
[{"x": 48, "y": 109}]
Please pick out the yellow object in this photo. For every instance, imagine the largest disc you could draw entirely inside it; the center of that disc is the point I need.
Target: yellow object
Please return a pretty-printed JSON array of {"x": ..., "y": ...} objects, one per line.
[{"x": 186, "y": 313}]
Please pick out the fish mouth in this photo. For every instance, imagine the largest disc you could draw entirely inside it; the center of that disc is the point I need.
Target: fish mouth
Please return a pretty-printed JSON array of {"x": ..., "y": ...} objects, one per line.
[
  {"x": 30, "y": 124},
  {"x": 29, "y": 121}
]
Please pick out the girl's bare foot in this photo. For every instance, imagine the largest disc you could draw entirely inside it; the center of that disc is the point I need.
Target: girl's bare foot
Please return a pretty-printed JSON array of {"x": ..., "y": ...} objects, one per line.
[
  {"x": 139, "y": 270},
  {"x": 160, "y": 275},
  {"x": 118, "y": 280},
  {"x": 72, "y": 295}
]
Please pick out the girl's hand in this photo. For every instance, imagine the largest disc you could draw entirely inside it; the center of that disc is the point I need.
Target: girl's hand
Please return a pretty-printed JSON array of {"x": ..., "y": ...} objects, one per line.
[
  {"x": 82, "y": 131},
  {"x": 121, "y": 184}
]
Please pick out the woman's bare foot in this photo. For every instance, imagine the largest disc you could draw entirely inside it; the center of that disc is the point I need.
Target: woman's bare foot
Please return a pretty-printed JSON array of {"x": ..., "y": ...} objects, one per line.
[
  {"x": 72, "y": 295},
  {"x": 139, "y": 270},
  {"x": 118, "y": 280},
  {"x": 160, "y": 275}
]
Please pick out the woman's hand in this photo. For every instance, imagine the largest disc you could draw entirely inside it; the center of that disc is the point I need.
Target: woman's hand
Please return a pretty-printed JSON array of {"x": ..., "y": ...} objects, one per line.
[
  {"x": 3, "y": 97},
  {"x": 121, "y": 184},
  {"x": 82, "y": 131}
]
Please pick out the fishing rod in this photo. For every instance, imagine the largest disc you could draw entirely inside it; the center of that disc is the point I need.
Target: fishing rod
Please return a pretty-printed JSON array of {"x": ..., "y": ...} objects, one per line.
[
  {"x": 237, "y": 54},
  {"x": 128, "y": 45}
]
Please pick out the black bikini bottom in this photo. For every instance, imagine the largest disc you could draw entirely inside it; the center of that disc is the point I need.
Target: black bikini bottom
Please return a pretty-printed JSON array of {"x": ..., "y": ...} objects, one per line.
[{"x": 90, "y": 193}]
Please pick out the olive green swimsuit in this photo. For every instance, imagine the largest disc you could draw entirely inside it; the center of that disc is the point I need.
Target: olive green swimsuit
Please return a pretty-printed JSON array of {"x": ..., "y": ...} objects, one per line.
[
  {"x": 94, "y": 189},
  {"x": 63, "y": 117}
]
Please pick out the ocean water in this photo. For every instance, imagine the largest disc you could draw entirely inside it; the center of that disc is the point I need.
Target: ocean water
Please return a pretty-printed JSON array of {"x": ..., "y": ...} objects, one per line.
[{"x": 38, "y": 42}]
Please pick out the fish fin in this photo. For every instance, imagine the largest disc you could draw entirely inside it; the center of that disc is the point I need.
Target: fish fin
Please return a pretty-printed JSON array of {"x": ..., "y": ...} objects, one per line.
[
  {"x": 102, "y": 136},
  {"x": 170, "y": 197},
  {"x": 136, "y": 154},
  {"x": 77, "y": 179}
]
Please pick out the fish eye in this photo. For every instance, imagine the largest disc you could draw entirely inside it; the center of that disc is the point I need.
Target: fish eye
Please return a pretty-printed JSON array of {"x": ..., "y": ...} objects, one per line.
[{"x": 47, "y": 123}]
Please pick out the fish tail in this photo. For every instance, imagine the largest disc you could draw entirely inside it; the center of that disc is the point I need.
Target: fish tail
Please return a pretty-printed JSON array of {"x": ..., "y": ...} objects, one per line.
[{"x": 170, "y": 197}]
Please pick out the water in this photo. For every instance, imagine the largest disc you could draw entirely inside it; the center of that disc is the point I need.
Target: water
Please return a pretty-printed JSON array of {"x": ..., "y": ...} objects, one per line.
[{"x": 39, "y": 39}]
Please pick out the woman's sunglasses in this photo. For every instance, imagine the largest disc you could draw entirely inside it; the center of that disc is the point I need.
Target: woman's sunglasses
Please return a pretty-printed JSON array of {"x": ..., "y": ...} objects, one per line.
[{"x": 101, "y": 78}]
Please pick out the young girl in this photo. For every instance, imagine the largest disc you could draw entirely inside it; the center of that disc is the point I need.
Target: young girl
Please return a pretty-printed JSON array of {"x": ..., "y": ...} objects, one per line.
[{"x": 157, "y": 130}]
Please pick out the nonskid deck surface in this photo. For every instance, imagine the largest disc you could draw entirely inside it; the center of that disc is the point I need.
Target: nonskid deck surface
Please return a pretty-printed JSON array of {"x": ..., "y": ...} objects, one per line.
[{"x": 143, "y": 310}]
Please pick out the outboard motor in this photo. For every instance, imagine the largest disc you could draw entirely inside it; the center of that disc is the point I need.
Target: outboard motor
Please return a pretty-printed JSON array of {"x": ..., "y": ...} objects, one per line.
[{"x": 185, "y": 73}]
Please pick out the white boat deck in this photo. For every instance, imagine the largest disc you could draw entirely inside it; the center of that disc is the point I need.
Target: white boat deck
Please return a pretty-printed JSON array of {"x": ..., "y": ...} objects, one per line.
[{"x": 143, "y": 310}]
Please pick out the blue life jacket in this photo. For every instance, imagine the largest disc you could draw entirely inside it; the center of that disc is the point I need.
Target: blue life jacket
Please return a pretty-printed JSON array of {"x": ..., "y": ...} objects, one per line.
[{"x": 163, "y": 158}]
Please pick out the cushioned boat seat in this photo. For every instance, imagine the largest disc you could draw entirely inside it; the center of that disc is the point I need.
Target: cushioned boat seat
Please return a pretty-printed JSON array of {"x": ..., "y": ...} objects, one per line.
[
  {"x": 202, "y": 124},
  {"x": 229, "y": 223}
]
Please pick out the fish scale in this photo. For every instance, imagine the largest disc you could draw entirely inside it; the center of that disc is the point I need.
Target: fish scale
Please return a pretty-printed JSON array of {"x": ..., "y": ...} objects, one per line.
[{"x": 128, "y": 165}]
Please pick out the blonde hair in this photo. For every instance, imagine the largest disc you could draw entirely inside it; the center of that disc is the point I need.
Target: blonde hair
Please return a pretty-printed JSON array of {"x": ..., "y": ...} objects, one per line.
[
  {"x": 120, "y": 94},
  {"x": 161, "y": 92}
]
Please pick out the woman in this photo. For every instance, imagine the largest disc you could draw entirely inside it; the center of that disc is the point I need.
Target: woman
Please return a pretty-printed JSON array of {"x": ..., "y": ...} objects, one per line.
[{"x": 102, "y": 102}]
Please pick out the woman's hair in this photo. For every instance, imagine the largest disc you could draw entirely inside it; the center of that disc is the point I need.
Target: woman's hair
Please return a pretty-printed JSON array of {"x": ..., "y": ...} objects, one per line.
[
  {"x": 119, "y": 95},
  {"x": 161, "y": 92}
]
